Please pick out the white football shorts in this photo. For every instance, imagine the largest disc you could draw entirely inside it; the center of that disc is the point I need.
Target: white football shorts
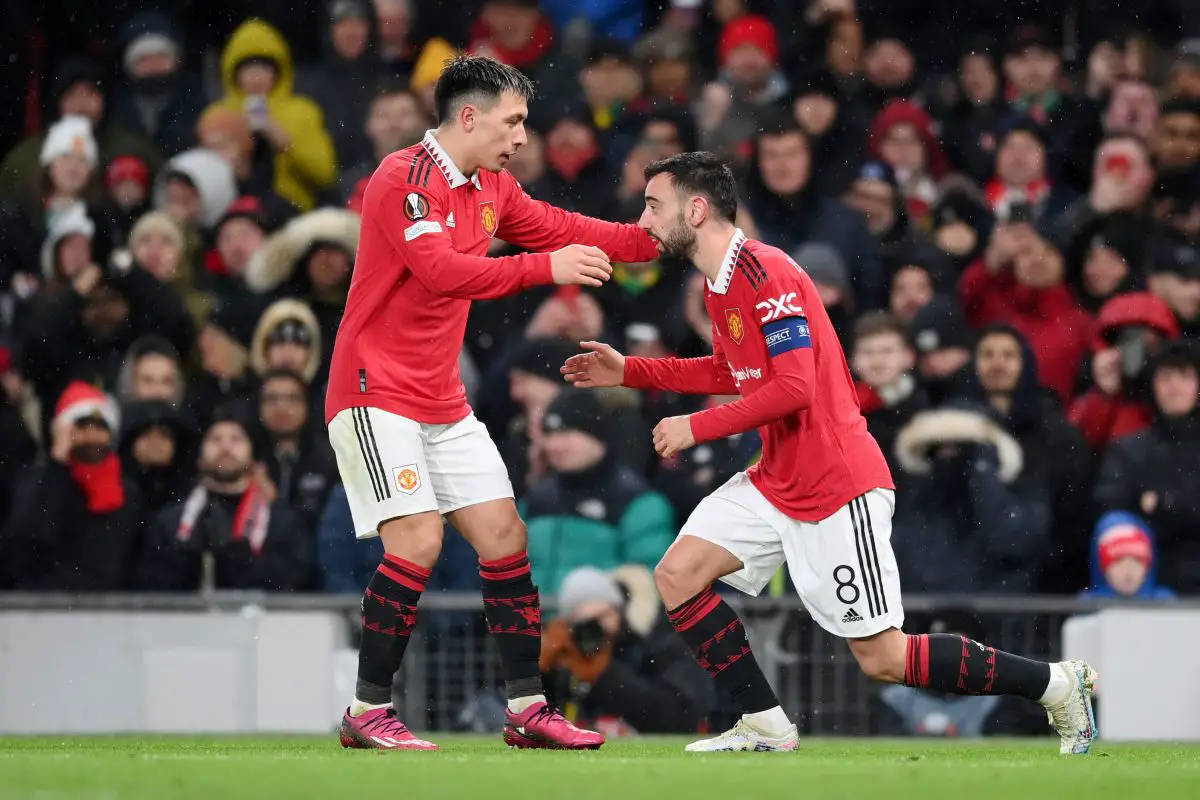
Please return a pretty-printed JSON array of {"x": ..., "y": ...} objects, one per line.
[
  {"x": 393, "y": 466},
  {"x": 843, "y": 566}
]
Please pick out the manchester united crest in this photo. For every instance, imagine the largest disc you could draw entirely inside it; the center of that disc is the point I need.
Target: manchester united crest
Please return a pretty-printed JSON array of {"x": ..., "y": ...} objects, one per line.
[
  {"x": 408, "y": 480},
  {"x": 487, "y": 217},
  {"x": 737, "y": 330}
]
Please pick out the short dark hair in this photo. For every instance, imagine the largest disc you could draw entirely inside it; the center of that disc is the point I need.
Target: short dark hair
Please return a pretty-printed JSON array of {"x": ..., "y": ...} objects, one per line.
[
  {"x": 701, "y": 173},
  {"x": 390, "y": 87},
  {"x": 877, "y": 323},
  {"x": 484, "y": 78},
  {"x": 285, "y": 375}
]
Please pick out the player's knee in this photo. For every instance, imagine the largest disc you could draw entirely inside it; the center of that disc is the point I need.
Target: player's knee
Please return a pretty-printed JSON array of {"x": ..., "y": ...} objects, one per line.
[
  {"x": 878, "y": 658},
  {"x": 417, "y": 539},
  {"x": 510, "y": 537}
]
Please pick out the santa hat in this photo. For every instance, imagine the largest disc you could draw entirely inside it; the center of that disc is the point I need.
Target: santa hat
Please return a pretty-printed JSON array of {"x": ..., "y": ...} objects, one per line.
[
  {"x": 71, "y": 134},
  {"x": 1124, "y": 541},
  {"x": 82, "y": 400}
]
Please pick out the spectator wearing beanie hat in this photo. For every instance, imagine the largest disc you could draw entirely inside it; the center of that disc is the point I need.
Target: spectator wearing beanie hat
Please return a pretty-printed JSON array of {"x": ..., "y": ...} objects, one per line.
[
  {"x": 75, "y": 90},
  {"x": 127, "y": 180},
  {"x": 748, "y": 53},
  {"x": 943, "y": 344},
  {"x": 80, "y": 517},
  {"x": 590, "y": 509},
  {"x": 67, "y": 249},
  {"x": 226, "y": 379},
  {"x": 158, "y": 98},
  {"x": 1123, "y": 560},
  {"x": 156, "y": 243}
]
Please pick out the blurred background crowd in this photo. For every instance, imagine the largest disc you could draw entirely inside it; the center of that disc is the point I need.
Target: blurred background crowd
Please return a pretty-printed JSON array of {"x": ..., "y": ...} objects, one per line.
[{"x": 998, "y": 202}]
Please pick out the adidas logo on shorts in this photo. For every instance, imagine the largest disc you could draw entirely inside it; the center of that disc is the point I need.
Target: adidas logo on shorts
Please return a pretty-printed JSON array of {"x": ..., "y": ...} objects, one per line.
[{"x": 852, "y": 616}]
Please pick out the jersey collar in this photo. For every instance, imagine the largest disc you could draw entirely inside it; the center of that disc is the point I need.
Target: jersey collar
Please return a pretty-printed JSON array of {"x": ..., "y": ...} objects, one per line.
[
  {"x": 726, "y": 274},
  {"x": 454, "y": 176}
]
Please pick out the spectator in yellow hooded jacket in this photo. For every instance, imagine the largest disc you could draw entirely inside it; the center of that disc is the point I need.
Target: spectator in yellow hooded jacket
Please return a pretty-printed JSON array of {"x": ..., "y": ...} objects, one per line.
[{"x": 257, "y": 73}]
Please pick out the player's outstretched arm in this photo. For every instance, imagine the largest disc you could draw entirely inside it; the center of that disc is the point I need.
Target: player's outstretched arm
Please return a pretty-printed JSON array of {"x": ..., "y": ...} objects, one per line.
[
  {"x": 539, "y": 226},
  {"x": 604, "y": 366},
  {"x": 424, "y": 246},
  {"x": 788, "y": 391}
]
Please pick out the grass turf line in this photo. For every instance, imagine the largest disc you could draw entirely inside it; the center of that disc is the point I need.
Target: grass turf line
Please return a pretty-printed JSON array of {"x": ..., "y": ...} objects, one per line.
[{"x": 227, "y": 768}]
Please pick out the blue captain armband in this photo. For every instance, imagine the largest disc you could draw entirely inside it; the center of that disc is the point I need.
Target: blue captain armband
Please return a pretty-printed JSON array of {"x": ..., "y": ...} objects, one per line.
[{"x": 785, "y": 335}]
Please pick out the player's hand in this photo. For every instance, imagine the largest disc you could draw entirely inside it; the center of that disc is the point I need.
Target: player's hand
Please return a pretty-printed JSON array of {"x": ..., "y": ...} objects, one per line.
[
  {"x": 673, "y": 435},
  {"x": 580, "y": 265},
  {"x": 602, "y": 366}
]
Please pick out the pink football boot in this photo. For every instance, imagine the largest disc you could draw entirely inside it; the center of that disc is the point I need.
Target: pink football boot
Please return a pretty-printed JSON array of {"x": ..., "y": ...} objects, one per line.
[
  {"x": 379, "y": 729},
  {"x": 542, "y": 727}
]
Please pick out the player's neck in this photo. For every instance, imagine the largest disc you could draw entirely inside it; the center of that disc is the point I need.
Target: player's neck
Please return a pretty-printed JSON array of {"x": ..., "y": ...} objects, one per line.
[
  {"x": 712, "y": 242},
  {"x": 452, "y": 142}
]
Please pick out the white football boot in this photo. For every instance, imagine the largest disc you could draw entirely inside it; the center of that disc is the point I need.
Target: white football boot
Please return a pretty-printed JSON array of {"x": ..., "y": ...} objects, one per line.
[
  {"x": 744, "y": 738},
  {"x": 1073, "y": 717}
]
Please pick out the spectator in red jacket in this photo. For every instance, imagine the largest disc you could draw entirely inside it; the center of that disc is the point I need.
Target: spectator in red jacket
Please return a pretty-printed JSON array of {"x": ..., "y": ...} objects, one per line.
[
  {"x": 1019, "y": 282},
  {"x": 1128, "y": 332}
]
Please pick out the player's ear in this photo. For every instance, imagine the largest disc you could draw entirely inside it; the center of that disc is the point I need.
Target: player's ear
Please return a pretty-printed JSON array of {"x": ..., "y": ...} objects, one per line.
[
  {"x": 697, "y": 211},
  {"x": 466, "y": 117}
]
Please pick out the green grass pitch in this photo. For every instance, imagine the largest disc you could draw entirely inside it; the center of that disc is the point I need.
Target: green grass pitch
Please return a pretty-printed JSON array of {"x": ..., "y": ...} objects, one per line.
[{"x": 226, "y": 768}]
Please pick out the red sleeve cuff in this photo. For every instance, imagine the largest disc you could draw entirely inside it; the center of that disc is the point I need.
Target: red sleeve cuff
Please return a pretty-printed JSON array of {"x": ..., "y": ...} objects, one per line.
[{"x": 539, "y": 272}]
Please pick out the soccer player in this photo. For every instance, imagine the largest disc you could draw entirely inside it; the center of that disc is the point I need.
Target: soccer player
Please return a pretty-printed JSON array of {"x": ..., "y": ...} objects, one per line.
[
  {"x": 820, "y": 499},
  {"x": 408, "y": 447}
]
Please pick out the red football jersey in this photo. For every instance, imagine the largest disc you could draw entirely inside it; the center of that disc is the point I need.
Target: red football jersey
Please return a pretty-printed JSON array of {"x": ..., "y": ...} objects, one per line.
[
  {"x": 421, "y": 260},
  {"x": 773, "y": 344}
]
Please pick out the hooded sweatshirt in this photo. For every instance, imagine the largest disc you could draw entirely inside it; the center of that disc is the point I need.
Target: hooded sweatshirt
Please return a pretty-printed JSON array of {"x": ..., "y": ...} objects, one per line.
[{"x": 1108, "y": 526}]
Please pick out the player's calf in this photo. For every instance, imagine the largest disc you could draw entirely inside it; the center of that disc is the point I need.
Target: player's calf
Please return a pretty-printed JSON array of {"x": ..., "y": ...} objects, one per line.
[{"x": 957, "y": 665}]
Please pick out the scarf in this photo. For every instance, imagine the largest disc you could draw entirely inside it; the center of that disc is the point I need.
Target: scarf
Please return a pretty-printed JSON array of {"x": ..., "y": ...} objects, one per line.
[
  {"x": 1040, "y": 108},
  {"x": 101, "y": 484},
  {"x": 250, "y": 523},
  {"x": 1001, "y": 195}
]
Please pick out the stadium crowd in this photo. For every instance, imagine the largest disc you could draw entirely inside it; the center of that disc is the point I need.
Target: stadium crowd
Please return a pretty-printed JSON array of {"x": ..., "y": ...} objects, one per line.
[{"x": 1001, "y": 214}]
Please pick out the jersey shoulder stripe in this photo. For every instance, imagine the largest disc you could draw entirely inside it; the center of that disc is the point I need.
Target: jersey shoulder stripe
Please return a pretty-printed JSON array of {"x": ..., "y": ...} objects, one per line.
[
  {"x": 753, "y": 274},
  {"x": 419, "y": 167},
  {"x": 756, "y": 264}
]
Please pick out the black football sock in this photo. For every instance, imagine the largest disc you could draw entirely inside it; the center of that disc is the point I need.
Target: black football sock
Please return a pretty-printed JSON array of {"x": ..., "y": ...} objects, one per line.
[
  {"x": 514, "y": 617},
  {"x": 389, "y": 612},
  {"x": 719, "y": 644},
  {"x": 945, "y": 662}
]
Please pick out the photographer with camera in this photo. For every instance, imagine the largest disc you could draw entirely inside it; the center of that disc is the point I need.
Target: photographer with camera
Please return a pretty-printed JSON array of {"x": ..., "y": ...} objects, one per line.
[
  {"x": 1130, "y": 328},
  {"x": 612, "y": 660}
]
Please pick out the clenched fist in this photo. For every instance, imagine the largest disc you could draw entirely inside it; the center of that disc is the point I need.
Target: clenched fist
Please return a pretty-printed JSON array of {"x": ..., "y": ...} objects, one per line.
[
  {"x": 580, "y": 265},
  {"x": 673, "y": 435}
]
